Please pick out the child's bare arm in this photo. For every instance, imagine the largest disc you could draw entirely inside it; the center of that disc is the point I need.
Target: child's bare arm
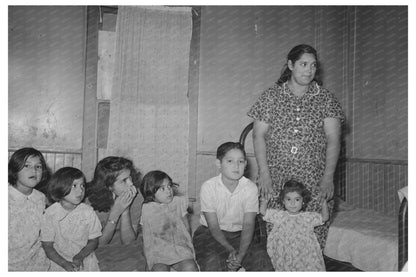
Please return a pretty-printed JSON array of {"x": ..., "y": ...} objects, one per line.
[
  {"x": 186, "y": 223},
  {"x": 85, "y": 251},
  {"x": 324, "y": 212},
  {"x": 54, "y": 256}
]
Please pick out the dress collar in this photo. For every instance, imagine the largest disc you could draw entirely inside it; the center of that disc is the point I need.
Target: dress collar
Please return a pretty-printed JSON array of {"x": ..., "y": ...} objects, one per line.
[{"x": 313, "y": 89}]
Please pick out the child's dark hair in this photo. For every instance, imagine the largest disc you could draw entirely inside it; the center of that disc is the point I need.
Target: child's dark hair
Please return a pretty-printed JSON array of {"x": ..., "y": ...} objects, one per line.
[
  {"x": 18, "y": 160},
  {"x": 292, "y": 186},
  {"x": 60, "y": 184},
  {"x": 151, "y": 183},
  {"x": 105, "y": 174},
  {"x": 227, "y": 146}
]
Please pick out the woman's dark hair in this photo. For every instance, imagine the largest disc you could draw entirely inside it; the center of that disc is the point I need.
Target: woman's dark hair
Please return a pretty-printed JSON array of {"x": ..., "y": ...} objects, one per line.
[
  {"x": 294, "y": 55},
  {"x": 223, "y": 149},
  {"x": 60, "y": 184},
  {"x": 295, "y": 186},
  {"x": 105, "y": 174},
  {"x": 17, "y": 162},
  {"x": 151, "y": 182}
]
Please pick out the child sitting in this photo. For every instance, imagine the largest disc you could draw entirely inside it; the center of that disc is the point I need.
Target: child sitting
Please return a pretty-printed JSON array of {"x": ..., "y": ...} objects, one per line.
[
  {"x": 70, "y": 228},
  {"x": 229, "y": 205},
  {"x": 166, "y": 232},
  {"x": 27, "y": 169},
  {"x": 292, "y": 244}
]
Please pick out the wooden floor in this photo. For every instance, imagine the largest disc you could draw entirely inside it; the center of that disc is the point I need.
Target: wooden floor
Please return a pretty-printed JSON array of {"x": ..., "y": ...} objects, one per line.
[{"x": 334, "y": 265}]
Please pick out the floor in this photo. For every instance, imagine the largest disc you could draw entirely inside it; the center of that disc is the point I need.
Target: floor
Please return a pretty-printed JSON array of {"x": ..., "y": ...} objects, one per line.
[{"x": 334, "y": 265}]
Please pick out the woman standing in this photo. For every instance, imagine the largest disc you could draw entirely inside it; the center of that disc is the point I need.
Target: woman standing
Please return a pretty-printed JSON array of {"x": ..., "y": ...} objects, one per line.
[{"x": 296, "y": 133}]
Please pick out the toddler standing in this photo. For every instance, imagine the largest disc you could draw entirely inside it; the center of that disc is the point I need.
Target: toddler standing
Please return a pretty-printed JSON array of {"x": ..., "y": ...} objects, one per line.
[
  {"x": 292, "y": 244},
  {"x": 70, "y": 229}
]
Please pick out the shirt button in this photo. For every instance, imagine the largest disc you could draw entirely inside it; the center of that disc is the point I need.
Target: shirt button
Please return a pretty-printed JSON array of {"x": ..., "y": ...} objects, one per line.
[
  {"x": 298, "y": 109},
  {"x": 297, "y": 118},
  {"x": 296, "y": 131}
]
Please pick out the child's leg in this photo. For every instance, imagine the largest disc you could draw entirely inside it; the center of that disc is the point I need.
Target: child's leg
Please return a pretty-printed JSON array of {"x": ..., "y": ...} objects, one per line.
[
  {"x": 186, "y": 265},
  {"x": 160, "y": 267},
  {"x": 210, "y": 255}
]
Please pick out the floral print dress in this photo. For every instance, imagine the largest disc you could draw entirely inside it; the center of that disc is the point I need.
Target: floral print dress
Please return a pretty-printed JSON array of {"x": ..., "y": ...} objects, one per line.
[
  {"x": 292, "y": 244},
  {"x": 296, "y": 140}
]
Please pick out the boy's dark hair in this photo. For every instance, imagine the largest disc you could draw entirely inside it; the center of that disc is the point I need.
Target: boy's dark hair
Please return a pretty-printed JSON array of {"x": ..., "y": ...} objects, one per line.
[
  {"x": 60, "y": 184},
  {"x": 105, "y": 174},
  {"x": 292, "y": 186},
  {"x": 151, "y": 183},
  {"x": 17, "y": 162},
  {"x": 227, "y": 146}
]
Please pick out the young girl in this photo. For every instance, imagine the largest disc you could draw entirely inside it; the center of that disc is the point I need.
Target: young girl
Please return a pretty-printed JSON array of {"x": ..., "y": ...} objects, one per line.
[
  {"x": 27, "y": 169},
  {"x": 166, "y": 232},
  {"x": 70, "y": 229},
  {"x": 292, "y": 244}
]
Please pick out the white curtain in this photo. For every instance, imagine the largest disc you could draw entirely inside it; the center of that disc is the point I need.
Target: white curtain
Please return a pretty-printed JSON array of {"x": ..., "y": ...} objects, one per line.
[{"x": 149, "y": 106}]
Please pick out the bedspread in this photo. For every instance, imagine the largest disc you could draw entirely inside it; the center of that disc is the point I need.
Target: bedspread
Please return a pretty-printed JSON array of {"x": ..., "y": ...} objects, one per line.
[{"x": 364, "y": 238}]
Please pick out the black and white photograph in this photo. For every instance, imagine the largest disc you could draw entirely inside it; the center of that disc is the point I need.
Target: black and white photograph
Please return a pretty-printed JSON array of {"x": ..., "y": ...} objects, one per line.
[{"x": 242, "y": 137}]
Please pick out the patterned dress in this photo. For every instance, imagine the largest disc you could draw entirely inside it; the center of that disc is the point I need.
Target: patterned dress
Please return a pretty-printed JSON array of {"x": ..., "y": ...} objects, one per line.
[
  {"x": 25, "y": 216},
  {"x": 292, "y": 244},
  {"x": 70, "y": 232},
  {"x": 296, "y": 140},
  {"x": 165, "y": 237}
]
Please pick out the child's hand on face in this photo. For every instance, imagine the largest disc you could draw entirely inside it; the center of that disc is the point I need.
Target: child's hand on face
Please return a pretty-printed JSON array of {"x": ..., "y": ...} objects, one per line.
[{"x": 124, "y": 200}]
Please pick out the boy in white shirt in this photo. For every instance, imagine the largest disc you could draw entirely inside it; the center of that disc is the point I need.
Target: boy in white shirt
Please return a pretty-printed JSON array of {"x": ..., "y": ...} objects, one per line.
[{"x": 229, "y": 205}]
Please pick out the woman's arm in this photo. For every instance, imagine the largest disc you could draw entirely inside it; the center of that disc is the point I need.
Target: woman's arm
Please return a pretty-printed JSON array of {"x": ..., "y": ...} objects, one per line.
[
  {"x": 78, "y": 259},
  {"x": 54, "y": 256},
  {"x": 259, "y": 143},
  {"x": 332, "y": 128},
  {"x": 214, "y": 228},
  {"x": 324, "y": 211}
]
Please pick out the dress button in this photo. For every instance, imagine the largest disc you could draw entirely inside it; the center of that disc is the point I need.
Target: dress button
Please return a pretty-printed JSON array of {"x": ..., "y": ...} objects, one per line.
[
  {"x": 298, "y": 109},
  {"x": 297, "y": 118},
  {"x": 296, "y": 131}
]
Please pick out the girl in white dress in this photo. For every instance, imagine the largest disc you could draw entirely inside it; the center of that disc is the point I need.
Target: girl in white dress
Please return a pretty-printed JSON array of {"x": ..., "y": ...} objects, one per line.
[
  {"x": 292, "y": 244},
  {"x": 70, "y": 229}
]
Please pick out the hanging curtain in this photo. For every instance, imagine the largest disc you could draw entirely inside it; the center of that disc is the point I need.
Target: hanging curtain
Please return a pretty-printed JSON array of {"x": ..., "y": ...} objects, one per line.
[{"x": 149, "y": 106}]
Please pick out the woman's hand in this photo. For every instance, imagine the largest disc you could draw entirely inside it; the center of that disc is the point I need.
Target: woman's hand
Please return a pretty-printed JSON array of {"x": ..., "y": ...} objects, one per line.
[
  {"x": 68, "y": 266},
  {"x": 265, "y": 185},
  {"x": 327, "y": 187}
]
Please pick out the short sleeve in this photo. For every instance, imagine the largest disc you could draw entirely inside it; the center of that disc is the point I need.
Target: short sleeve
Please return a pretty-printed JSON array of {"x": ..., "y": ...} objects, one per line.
[
  {"x": 207, "y": 199},
  {"x": 95, "y": 226},
  {"x": 47, "y": 231},
  {"x": 316, "y": 219},
  {"x": 251, "y": 204},
  {"x": 272, "y": 215},
  {"x": 262, "y": 109},
  {"x": 333, "y": 108}
]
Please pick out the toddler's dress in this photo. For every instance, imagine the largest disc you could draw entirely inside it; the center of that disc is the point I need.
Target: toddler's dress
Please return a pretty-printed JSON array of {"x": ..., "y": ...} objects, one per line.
[
  {"x": 292, "y": 243},
  {"x": 165, "y": 237},
  {"x": 70, "y": 232}
]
